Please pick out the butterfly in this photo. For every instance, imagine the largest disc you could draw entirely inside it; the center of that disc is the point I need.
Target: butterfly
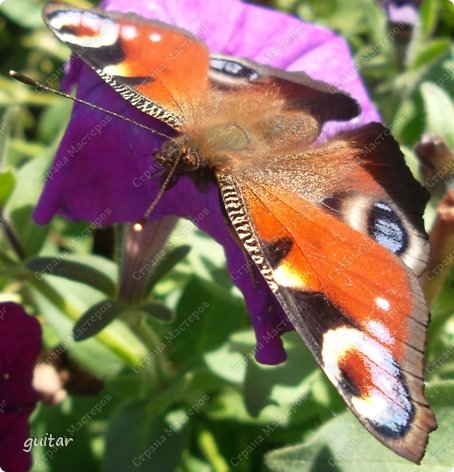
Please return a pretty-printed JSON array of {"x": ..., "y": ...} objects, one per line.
[{"x": 335, "y": 227}]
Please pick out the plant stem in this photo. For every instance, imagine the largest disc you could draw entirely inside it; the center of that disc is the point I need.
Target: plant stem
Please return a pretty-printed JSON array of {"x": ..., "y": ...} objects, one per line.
[
  {"x": 211, "y": 452},
  {"x": 155, "y": 364},
  {"x": 12, "y": 238}
]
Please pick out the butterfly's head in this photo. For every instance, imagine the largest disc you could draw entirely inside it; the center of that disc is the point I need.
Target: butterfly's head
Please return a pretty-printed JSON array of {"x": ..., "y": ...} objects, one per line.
[{"x": 181, "y": 152}]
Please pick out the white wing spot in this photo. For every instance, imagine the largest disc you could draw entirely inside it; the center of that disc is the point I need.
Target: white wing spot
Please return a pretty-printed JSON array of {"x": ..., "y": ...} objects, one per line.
[
  {"x": 104, "y": 31},
  {"x": 129, "y": 32},
  {"x": 155, "y": 37},
  {"x": 380, "y": 331},
  {"x": 382, "y": 303},
  {"x": 65, "y": 18}
]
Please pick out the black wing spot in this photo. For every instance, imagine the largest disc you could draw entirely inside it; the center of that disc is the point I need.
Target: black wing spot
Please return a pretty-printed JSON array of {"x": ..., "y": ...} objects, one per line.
[
  {"x": 133, "y": 81},
  {"x": 333, "y": 204},
  {"x": 385, "y": 226},
  {"x": 278, "y": 250},
  {"x": 348, "y": 385},
  {"x": 104, "y": 55},
  {"x": 99, "y": 56}
]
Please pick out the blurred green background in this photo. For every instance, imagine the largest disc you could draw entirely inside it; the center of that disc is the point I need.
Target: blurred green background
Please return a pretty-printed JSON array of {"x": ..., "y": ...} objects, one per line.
[{"x": 199, "y": 402}]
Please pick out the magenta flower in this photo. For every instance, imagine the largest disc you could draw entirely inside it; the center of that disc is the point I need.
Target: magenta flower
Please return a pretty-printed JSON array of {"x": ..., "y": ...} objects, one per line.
[
  {"x": 103, "y": 163},
  {"x": 20, "y": 343}
]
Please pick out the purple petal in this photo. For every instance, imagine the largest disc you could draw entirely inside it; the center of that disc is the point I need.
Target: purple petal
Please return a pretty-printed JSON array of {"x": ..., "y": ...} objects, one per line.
[
  {"x": 402, "y": 12},
  {"x": 20, "y": 344},
  {"x": 102, "y": 168}
]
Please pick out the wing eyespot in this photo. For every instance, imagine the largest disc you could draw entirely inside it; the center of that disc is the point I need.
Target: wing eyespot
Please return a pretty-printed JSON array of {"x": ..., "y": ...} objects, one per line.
[
  {"x": 370, "y": 378},
  {"x": 382, "y": 221},
  {"x": 386, "y": 227},
  {"x": 233, "y": 68}
]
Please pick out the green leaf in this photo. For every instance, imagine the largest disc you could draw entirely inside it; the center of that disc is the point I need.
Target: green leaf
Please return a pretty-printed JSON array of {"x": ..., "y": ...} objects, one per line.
[
  {"x": 127, "y": 384},
  {"x": 206, "y": 315},
  {"x": 194, "y": 464},
  {"x": 22, "y": 202},
  {"x": 282, "y": 384},
  {"x": 53, "y": 118},
  {"x": 377, "y": 24},
  {"x": 112, "y": 349},
  {"x": 447, "y": 13},
  {"x": 344, "y": 16},
  {"x": 65, "y": 420},
  {"x": 443, "y": 306},
  {"x": 23, "y": 12},
  {"x": 428, "y": 15},
  {"x": 72, "y": 270},
  {"x": 168, "y": 262},
  {"x": 135, "y": 439},
  {"x": 31, "y": 235},
  {"x": 343, "y": 445},
  {"x": 430, "y": 52},
  {"x": 7, "y": 122},
  {"x": 423, "y": 33},
  {"x": 7, "y": 183},
  {"x": 157, "y": 310},
  {"x": 439, "y": 112},
  {"x": 92, "y": 354},
  {"x": 97, "y": 318},
  {"x": 202, "y": 246},
  {"x": 230, "y": 364}
]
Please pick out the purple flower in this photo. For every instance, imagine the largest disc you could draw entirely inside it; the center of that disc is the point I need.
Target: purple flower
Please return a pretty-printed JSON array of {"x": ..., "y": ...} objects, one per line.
[
  {"x": 404, "y": 12},
  {"x": 20, "y": 343},
  {"x": 102, "y": 165}
]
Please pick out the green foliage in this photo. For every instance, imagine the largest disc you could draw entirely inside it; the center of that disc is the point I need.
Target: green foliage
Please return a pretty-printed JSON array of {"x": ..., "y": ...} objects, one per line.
[
  {"x": 151, "y": 439},
  {"x": 178, "y": 370},
  {"x": 354, "y": 449},
  {"x": 440, "y": 123},
  {"x": 72, "y": 270}
]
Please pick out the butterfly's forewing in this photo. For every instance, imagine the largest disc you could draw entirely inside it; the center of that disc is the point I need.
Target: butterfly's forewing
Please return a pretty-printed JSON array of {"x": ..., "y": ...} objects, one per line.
[
  {"x": 299, "y": 92},
  {"x": 342, "y": 279},
  {"x": 163, "y": 70},
  {"x": 159, "y": 69}
]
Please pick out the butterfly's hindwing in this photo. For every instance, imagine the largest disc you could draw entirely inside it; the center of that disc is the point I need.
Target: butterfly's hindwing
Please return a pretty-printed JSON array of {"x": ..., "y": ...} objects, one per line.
[{"x": 366, "y": 330}]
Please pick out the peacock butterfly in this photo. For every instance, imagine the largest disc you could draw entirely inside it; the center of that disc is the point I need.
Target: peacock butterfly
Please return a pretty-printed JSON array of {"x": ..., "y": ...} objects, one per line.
[{"x": 334, "y": 227}]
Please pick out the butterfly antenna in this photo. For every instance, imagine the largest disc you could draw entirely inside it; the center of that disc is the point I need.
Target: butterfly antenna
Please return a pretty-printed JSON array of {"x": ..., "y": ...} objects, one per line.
[
  {"x": 28, "y": 81},
  {"x": 139, "y": 225}
]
